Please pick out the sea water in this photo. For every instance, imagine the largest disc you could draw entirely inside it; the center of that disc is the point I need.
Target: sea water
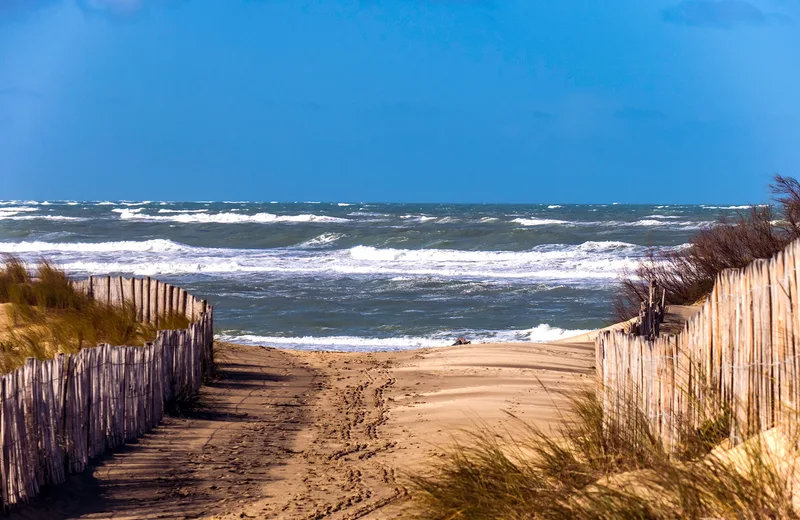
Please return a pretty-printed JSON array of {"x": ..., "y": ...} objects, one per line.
[{"x": 365, "y": 276}]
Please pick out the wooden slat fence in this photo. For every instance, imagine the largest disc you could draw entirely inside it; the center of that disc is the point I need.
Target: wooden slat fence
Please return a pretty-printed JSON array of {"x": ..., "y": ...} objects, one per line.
[
  {"x": 56, "y": 415},
  {"x": 741, "y": 352},
  {"x": 651, "y": 313}
]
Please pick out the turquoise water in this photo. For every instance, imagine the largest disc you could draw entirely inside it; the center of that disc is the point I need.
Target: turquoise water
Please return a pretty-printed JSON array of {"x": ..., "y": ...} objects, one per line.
[{"x": 363, "y": 276}]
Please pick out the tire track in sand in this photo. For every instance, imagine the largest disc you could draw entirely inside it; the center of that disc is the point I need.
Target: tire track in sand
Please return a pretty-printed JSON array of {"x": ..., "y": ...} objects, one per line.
[{"x": 340, "y": 475}]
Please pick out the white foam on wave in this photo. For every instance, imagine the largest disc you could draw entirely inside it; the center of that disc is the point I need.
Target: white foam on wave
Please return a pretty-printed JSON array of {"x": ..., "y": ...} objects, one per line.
[
  {"x": 155, "y": 246},
  {"x": 366, "y": 214},
  {"x": 541, "y": 333},
  {"x": 647, "y": 222},
  {"x": 227, "y": 218},
  {"x": 539, "y": 221},
  {"x": 545, "y": 333},
  {"x": 418, "y": 218},
  {"x": 39, "y": 217},
  {"x": 11, "y": 210},
  {"x": 554, "y": 206},
  {"x": 650, "y": 220},
  {"x": 323, "y": 239},
  {"x": 726, "y": 207},
  {"x": 187, "y": 211},
  {"x": 334, "y": 343},
  {"x": 672, "y": 223},
  {"x": 537, "y": 255},
  {"x": 587, "y": 263},
  {"x": 343, "y": 204},
  {"x": 606, "y": 246}
]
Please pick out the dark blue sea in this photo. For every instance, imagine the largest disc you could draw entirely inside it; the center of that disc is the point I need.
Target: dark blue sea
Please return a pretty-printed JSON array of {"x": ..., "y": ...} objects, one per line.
[{"x": 365, "y": 276}]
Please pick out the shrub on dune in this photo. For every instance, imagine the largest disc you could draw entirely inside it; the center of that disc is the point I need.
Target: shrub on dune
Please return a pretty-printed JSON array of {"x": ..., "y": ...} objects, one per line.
[{"x": 688, "y": 274}]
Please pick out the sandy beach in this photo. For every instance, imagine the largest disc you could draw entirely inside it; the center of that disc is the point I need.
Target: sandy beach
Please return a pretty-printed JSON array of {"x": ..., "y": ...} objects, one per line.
[{"x": 300, "y": 435}]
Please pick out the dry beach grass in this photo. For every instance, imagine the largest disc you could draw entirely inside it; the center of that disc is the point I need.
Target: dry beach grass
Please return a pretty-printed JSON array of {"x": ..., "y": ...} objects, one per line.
[{"x": 41, "y": 314}]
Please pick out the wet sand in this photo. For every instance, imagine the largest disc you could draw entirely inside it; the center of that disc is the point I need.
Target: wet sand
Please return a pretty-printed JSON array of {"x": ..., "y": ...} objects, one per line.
[{"x": 312, "y": 435}]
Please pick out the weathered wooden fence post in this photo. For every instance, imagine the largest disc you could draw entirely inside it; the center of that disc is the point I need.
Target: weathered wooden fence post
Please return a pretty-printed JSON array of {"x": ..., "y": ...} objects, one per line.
[
  {"x": 741, "y": 353},
  {"x": 55, "y": 415}
]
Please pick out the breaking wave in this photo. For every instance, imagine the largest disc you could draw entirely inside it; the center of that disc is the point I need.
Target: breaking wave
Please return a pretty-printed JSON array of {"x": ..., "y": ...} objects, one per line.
[
  {"x": 226, "y": 218},
  {"x": 589, "y": 262},
  {"x": 539, "y": 221},
  {"x": 152, "y": 246},
  {"x": 539, "y": 334}
]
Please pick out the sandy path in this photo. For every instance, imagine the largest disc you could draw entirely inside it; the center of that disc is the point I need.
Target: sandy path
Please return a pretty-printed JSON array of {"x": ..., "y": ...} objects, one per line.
[{"x": 311, "y": 435}]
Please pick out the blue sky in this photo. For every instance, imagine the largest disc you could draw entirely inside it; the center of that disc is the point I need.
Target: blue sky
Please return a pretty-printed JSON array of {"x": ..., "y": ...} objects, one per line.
[{"x": 399, "y": 100}]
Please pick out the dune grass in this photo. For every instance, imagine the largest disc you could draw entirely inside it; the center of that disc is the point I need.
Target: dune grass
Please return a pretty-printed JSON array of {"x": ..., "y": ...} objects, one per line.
[
  {"x": 595, "y": 468},
  {"x": 46, "y": 316}
]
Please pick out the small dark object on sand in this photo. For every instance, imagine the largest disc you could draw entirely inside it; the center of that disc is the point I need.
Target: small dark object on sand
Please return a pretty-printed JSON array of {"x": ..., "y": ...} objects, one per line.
[{"x": 462, "y": 341}]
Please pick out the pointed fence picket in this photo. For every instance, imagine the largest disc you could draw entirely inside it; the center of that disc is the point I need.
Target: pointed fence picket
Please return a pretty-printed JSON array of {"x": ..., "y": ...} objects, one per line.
[
  {"x": 741, "y": 353},
  {"x": 58, "y": 414}
]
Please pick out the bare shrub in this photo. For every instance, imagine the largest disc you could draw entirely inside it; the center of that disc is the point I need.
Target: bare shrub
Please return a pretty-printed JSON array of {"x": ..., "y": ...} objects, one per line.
[{"x": 688, "y": 274}]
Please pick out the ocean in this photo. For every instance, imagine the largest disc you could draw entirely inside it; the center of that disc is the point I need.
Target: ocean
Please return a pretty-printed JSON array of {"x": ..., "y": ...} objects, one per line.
[{"x": 365, "y": 276}]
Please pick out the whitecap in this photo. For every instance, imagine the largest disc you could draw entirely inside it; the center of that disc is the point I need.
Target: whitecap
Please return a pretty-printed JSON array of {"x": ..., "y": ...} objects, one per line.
[
  {"x": 13, "y": 212},
  {"x": 366, "y": 214},
  {"x": 539, "y": 221},
  {"x": 588, "y": 264},
  {"x": 653, "y": 222},
  {"x": 418, "y": 218},
  {"x": 334, "y": 343},
  {"x": 228, "y": 218},
  {"x": 157, "y": 246},
  {"x": 541, "y": 333},
  {"x": 748, "y": 206},
  {"x": 188, "y": 211},
  {"x": 323, "y": 239},
  {"x": 14, "y": 216}
]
